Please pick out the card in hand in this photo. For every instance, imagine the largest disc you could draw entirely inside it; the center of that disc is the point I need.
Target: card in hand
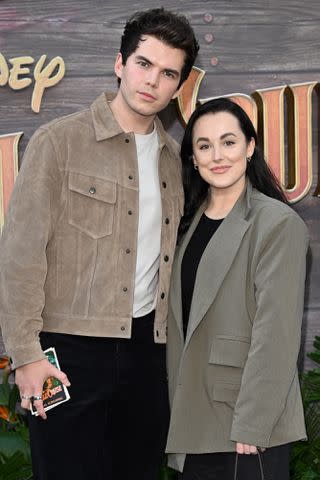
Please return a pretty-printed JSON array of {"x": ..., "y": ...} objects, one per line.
[{"x": 53, "y": 392}]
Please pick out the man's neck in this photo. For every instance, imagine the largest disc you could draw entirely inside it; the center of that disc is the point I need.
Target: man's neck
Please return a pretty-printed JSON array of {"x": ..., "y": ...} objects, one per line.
[{"x": 129, "y": 120}]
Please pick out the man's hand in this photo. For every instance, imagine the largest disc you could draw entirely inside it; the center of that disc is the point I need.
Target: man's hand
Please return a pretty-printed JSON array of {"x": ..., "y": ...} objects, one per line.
[
  {"x": 30, "y": 379},
  {"x": 248, "y": 449}
]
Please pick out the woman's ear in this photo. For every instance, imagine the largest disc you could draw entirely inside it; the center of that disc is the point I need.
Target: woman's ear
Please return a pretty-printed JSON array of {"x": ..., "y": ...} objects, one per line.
[{"x": 251, "y": 147}]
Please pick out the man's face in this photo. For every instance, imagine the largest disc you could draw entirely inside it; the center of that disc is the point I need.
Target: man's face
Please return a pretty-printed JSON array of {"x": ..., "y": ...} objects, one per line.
[{"x": 150, "y": 77}]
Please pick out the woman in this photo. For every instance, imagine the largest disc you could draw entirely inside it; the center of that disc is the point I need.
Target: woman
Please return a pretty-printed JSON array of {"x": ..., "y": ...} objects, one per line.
[{"x": 235, "y": 309}]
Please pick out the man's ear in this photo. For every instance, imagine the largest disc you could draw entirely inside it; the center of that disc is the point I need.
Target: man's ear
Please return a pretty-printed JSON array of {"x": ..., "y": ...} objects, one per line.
[
  {"x": 118, "y": 65},
  {"x": 177, "y": 92}
]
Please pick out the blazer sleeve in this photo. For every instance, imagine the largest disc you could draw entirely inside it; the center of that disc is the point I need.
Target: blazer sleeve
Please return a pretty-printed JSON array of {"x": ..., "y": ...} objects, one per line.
[
  {"x": 272, "y": 359},
  {"x": 28, "y": 226}
]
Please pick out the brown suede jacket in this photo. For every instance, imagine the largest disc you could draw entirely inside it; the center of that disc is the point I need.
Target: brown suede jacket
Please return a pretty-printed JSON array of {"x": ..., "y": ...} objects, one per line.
[{"x": 68, "y": 247}]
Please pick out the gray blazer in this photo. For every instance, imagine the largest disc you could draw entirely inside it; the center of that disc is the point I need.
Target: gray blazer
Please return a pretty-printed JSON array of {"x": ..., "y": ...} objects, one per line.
[{"x": 235, "y": 377}]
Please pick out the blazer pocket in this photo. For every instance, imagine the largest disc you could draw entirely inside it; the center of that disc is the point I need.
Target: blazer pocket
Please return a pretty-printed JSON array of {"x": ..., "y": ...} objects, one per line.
[
  {"x": 91, "y": 204},
  {"x": 225, "y": 392},
  {"x": 229, "y": 351}
]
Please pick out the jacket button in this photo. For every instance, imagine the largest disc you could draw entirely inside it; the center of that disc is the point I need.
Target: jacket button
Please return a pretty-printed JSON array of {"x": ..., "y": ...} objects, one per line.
[
  {"x": 167, "y": 221},
  {"x": 164, "y": 184},
  {"x": 166, "y": 258},
  {"x": 123, "y": 328},
  {"x": 124, "y": 289},
  {"x": 92, "y": 190},
  {"x": 127, "y": 140},
  {"x": 129, "y": 212},
  {"x": 128, "y": 250},
  {"x": 130, "y": 177},
  {"x": 162, "y": 295}
]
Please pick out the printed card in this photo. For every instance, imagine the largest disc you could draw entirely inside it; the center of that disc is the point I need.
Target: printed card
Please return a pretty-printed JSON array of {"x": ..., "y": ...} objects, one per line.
[{"x": 54, "y": 392}]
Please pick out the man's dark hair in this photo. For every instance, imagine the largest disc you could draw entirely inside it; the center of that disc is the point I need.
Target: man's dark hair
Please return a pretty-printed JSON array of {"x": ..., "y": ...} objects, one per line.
[{"x": 172, "y": 29}]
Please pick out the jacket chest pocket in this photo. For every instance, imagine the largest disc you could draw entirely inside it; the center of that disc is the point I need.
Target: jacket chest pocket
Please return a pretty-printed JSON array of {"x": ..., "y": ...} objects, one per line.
[{"x": 91, "y": 204}]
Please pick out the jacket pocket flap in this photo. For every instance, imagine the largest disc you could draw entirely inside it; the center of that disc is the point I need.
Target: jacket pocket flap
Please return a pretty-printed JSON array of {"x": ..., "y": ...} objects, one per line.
[
  {"x": 225, "y": 392},
  {"x": 93, "y": 187},
  {"x": 231, "y": 352}
]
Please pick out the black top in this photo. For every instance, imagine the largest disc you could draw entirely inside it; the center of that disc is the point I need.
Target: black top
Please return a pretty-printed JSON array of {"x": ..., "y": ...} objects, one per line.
[{"x": 204, "y": 231}]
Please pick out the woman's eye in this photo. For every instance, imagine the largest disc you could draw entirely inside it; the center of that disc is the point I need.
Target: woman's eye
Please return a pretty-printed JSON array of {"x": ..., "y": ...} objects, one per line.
[
  {"x": 229, "y": 142},
  {"x": 204, "y": 147}
]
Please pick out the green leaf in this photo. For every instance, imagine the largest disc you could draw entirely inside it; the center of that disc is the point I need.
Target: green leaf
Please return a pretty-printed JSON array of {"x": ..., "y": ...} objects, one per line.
[
  {"x": 315, "y": 356},
  {"x": 14, "y": 397},
  {"x": 13, "y": 442},
  {"x": 4, "y": 394},
  {"x": 23, "y": 431},
  {"x": 15, "y": 467}
]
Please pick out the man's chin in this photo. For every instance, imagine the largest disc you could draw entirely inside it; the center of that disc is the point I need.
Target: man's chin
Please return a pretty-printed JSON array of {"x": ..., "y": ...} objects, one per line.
[{"x": 146, "y": 112}]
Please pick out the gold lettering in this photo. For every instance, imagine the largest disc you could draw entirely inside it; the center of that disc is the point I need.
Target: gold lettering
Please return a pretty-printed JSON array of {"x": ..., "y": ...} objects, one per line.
[
  {"x": 4, "y": 71},
  {"x": 244, "y": 101},
  {"x": 271, "y": 104},
  {"x": 8, "y": 169},
  {"x": 15, "y": 82},
  {"x": 43, "y": 79},
  {"x": 300, "y": 140},
  {"x": 188, "y": 97},
  {"x": 266, "y": 111}
]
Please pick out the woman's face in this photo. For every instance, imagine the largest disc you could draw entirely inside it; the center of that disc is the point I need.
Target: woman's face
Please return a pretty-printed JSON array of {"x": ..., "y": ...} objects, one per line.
[{"x": 220, "y": 150}]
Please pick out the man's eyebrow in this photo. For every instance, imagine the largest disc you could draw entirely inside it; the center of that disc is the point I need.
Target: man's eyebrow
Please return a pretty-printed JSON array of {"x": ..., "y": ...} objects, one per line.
[
  {"x": 169, "y": 70},
  {"x": 141, "y": 57}
]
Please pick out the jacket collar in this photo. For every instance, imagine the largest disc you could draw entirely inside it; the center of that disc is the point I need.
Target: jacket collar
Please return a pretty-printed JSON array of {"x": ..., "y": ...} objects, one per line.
[{"x": 105, "y": 124}]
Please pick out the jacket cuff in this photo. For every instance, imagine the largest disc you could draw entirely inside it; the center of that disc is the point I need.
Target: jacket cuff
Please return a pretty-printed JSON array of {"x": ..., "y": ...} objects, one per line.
[
  {"x": 257, "y": 439},
  {"x": 24, "y": 354}
]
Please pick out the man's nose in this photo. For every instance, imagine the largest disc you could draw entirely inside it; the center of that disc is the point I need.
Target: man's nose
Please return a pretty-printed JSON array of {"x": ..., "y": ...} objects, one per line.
[{"x": 153, "y": 78}]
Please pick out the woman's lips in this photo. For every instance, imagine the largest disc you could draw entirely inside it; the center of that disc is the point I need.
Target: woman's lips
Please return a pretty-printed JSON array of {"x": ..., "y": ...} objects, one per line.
[{"x": 221, "y": 169}]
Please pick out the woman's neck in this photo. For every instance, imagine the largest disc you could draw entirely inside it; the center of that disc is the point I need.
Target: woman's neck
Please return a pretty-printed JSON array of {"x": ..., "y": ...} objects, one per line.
[{"x": 222, "y": 200}]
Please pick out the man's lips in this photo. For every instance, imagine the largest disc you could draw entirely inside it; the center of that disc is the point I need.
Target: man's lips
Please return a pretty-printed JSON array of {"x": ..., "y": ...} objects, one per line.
[
  {"x": 147, "y": 95},
  {"x": 220, "y": 169}
]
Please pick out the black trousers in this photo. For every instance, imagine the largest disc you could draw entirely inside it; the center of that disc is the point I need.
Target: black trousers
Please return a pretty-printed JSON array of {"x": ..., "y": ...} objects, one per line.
[
  {"x": 221, "y": 466},
  {"x": 115, "y": 424}
]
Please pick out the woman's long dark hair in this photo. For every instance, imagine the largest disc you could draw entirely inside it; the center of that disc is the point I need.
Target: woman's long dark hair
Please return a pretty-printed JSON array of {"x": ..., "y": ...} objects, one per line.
[{"x": 258, "y": 172}]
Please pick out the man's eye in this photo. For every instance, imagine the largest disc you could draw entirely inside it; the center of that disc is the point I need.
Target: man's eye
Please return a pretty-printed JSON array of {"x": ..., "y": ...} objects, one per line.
[
  {"x": 169, "y": 74},
  {"x": 143, "y": 64}
]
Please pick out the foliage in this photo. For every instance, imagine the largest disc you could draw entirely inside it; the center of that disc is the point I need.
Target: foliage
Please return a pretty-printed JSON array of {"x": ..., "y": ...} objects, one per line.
[
  {"x": 305, "y": 461},
  {"x": 15, "y": 456},
  {"x": 167, "y": 473}
]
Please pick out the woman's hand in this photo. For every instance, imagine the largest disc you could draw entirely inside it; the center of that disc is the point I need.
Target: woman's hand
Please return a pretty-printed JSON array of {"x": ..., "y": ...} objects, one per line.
[{"x": 248, "y": 449}]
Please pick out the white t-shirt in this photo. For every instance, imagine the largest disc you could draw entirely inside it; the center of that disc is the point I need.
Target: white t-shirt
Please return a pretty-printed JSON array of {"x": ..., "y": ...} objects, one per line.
[{"x": 149, "y": 229}]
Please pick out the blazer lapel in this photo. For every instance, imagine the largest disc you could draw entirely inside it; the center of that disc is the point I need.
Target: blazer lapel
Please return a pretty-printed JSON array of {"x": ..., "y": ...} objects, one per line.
[
  {"x": 175, "y": 292},
  {"x": 217, "y": 260}
]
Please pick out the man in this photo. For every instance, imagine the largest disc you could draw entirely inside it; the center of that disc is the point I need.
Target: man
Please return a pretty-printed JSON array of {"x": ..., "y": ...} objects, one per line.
[{"x": 86, "y": 257}]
